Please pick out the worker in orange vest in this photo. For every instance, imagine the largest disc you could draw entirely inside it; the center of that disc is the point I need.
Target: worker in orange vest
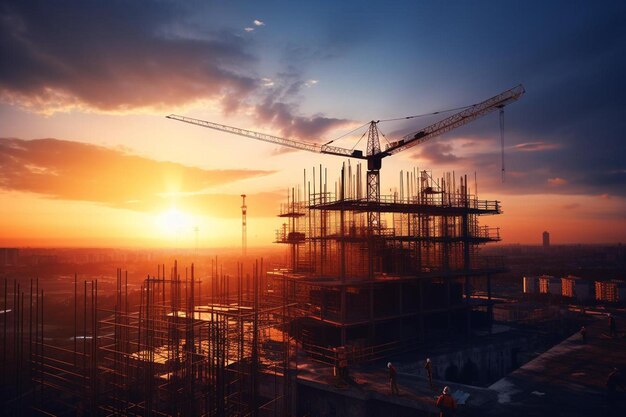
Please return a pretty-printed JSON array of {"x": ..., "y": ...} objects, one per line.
[{"x": 446, "y": 403}]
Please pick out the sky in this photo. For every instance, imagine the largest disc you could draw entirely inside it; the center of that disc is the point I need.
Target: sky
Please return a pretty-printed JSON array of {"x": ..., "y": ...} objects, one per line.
[{"x": 87, "y": 157}]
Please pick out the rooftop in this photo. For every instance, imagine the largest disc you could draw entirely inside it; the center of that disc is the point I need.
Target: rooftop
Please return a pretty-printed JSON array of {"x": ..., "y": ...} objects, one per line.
[{"x": 567, "y": 380}]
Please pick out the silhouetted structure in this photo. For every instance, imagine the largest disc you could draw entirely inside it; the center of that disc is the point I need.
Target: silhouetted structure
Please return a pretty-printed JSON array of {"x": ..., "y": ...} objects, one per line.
[
  {"x": 384, "y": 285},
  {"x": 244, "y": 226},
  {"x": 546, "y": 239},
  {"x": 179, "y": 352},
  {"x": 612, "y": 291},
  {"x": 577, "y": 288},
  {"x": 550, "y": 285}
]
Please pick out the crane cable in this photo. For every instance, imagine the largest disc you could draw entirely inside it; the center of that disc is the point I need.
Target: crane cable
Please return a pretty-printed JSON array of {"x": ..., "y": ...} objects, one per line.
[
  {"x": 381, "y": 132},
  {"x": 399, "y": 118},
  {"x": 502, "y": 138},
  {"x": 358, "y": 141},
  {"x": 346, "y": 134},
  {"x": 426, "y": 114}
]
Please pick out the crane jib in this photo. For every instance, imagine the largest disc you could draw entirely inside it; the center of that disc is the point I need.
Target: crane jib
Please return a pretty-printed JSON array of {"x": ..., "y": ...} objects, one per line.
[
  {"x": 456, "y": 120},
  {"x": 452, "y": 122}
]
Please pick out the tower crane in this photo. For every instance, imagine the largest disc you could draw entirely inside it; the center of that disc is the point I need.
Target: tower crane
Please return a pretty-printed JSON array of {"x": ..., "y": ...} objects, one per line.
[{"x": 374, "y": 154}]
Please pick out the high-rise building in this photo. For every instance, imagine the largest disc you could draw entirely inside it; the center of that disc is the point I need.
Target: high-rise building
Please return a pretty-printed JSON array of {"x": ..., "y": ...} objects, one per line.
[
  {"x": 546, "y": 239},
  {"x": 550, "y": 285},
  {"x": 613, "y": 291},
  {"x": 576, "y": 287}
]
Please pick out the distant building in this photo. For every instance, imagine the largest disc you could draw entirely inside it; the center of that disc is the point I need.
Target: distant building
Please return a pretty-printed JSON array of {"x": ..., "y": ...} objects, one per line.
[
  {"x": 9, "y": 256},
  {"x": 613, "y": 291},
  {"x": 549, "y": 285},
  {"x": 546, "y": 239},
  {"x": 531, "y": 285},
  {"x": 577, "y": 288}
]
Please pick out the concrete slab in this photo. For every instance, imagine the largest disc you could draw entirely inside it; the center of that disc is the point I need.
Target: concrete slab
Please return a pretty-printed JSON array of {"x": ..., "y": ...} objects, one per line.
[
  {"x": 567, "y": 380},
  {"x": 369, "y": 383}
]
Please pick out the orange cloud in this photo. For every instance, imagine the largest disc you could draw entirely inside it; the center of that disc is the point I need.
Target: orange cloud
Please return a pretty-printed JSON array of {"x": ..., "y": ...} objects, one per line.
[
  {"x": 535, "y": 146},
  {"x": 68, "y": 170},
  {"x": 556, "y": 181},
  {"x": 438, "y": 153},
  {"x": 283, "y": 116}
]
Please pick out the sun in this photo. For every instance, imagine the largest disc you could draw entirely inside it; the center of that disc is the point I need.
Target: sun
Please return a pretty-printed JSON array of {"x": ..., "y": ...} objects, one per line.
[{"x": 173, "y": 221}]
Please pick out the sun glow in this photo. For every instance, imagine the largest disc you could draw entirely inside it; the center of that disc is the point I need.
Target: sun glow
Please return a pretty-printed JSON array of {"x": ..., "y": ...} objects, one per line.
[{"x": 173, "y": 221}]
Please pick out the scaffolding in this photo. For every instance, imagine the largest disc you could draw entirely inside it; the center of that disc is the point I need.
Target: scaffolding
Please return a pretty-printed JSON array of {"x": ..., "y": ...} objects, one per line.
[
  {"x": 179, "y": 351},
  {"x": 403, "y": 277}
]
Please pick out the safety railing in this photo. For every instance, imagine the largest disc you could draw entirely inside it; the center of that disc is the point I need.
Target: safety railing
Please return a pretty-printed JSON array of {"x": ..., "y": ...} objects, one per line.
[
  {"x": 293, "y": 209},
  {"x": 355, "y": 354},
  {"x": 438, "y": 200}
]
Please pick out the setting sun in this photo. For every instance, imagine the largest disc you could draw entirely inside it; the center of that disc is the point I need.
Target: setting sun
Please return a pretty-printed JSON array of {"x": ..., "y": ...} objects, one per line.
[{"x": 173, "y": 221}]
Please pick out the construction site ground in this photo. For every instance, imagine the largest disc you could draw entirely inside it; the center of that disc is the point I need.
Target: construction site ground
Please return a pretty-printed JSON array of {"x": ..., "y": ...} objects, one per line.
[{"x": 567, "y": 380}]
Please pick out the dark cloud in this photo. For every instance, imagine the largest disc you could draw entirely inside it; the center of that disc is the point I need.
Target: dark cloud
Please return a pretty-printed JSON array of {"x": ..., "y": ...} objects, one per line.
[
  {"x": 437, "y": 153},
  {"x": 540, "y": 172},
  {"x": 279, "y": 108},
  {"x": 334, "y": 41},
  {"x": 570, "y": 122},
  {"x": 119, "y": 56},
  {"x": 281, "y": 116},
  {"x": 77, "y": 171},
  {"x": 574, "y": 102},
  {"x": 114, "y": 55}
]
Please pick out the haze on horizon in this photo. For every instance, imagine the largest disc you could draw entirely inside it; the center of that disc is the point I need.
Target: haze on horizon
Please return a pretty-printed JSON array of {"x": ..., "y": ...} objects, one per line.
[{"x": 87, "y": 157}]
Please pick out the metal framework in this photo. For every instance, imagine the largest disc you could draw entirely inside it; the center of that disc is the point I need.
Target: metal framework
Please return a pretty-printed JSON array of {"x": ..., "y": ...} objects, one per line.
[
  {"x": 411, "y": 283},
  {"x": 374, "y": 154},
  {"x": 244, "y": 226},
  {"x": 179, "y": 351}
]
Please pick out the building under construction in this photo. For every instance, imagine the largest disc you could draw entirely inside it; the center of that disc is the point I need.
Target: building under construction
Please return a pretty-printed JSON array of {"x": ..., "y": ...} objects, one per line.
[
  {"x": 383, "y": 276},
  {"x": 178, "y": 348},
  {"x": 382, "y": 272},
  {"x": 379, "y": 273}
]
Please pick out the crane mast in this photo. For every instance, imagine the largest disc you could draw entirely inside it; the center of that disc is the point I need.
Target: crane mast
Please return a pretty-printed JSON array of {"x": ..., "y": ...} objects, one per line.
[{"x": 373, "y": 174}]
